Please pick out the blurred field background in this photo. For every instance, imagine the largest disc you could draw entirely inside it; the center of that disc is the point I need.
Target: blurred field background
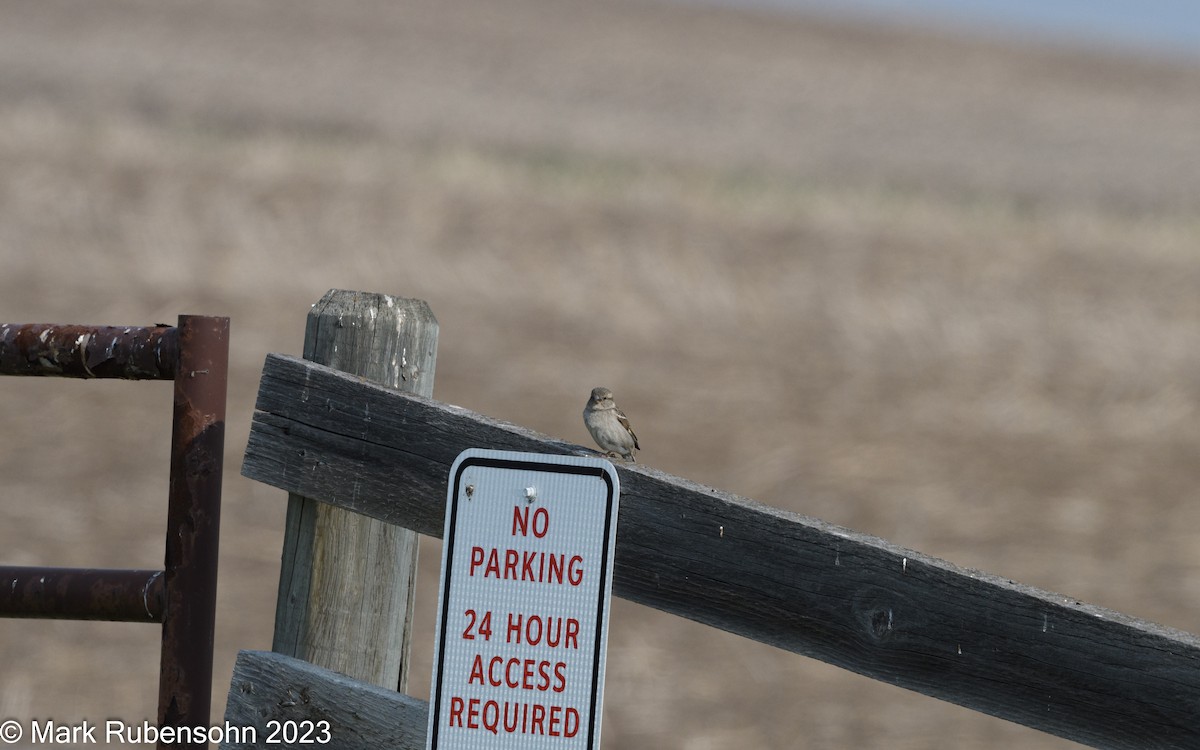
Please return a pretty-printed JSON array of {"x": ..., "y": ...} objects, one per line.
[{"x": 941, "y": 290}]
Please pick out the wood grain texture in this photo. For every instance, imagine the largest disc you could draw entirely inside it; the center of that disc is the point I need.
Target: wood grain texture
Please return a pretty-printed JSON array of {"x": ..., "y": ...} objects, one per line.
[
  {"x": 327, "y": 612},
  {"x": 856, "y": 601},
  {"x": 269, "y": 687}
]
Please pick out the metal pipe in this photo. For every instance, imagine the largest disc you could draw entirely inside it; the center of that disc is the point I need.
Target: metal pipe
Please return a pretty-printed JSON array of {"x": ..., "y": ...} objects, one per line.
[
  {"x": 82, "y": 594},
  {"x": 72, "y": 351},
  {"x": 193, "y": 521},
  {"x": 195, "y": 354}
]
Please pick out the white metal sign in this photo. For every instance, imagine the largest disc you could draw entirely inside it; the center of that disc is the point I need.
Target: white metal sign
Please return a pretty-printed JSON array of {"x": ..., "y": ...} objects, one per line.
[{"x": 522, "y": 633}]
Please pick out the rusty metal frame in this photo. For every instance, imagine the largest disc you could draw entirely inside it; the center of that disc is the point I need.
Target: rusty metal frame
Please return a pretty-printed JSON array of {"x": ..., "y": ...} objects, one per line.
[{"x": 182, "y": 596}]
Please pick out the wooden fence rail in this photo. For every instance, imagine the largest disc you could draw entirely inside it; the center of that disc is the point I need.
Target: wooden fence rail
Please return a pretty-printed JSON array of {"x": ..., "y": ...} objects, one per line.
[
  {"x": 1049, "y": 662},
  {"x": 279, "y": 701}
]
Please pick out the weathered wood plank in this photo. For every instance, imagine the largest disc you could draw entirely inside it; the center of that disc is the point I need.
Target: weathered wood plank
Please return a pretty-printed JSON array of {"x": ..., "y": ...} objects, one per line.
[
  {"x": 269, "y": 687},
  {"x": 322, "y": 615},
  {"x": 856, "y": 601}
]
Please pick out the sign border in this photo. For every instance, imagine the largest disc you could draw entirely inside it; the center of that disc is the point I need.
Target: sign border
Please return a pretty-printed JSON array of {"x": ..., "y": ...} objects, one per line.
[{"x": 523, "y": 461}]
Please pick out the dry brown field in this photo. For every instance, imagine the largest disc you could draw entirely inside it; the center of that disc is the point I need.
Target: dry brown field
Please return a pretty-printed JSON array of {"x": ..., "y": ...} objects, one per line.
[{"x": 937, "y": 289}]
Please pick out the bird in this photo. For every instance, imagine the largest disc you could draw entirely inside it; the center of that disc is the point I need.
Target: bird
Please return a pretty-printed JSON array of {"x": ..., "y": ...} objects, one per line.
[{"x": 609, "y": 426}]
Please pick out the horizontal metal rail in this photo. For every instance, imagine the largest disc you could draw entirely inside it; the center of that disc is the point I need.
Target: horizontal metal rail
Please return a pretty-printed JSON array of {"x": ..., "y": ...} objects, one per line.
[
  {"x": 182, "y": 596},
  {"x": 72, "y": 351},
  {"x": 82, "y": 594}
]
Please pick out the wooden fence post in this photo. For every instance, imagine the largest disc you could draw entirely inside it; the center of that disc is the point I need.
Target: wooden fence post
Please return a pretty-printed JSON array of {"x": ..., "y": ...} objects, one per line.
[{"x": 346, "y": 580}]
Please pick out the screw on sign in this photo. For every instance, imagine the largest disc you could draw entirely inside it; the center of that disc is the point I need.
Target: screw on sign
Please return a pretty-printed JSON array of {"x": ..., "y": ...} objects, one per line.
[{"x": 523, "y": 610}]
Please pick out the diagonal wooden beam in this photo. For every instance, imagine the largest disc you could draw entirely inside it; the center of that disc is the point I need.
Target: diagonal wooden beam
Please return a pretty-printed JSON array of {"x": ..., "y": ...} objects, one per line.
[
  {"x": 278, "y": 701},
  {"x": 798, "y": 583}
]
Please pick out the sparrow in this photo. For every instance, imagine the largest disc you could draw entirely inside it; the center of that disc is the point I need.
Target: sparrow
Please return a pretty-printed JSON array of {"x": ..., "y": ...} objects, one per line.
[{"x": 609, "y": 425}]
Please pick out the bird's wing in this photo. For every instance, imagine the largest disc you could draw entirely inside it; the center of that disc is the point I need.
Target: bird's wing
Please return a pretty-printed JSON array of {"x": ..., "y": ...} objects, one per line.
[{"x": 624, "y": 420}]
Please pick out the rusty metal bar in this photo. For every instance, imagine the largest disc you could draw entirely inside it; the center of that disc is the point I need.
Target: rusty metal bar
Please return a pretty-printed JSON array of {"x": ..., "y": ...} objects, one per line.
[
  {"x": 82, "y": 594},
  {"x": 195, "y": 355},
  {"x": 72, "y": 351},
  {"x": 193, "y": 522}
]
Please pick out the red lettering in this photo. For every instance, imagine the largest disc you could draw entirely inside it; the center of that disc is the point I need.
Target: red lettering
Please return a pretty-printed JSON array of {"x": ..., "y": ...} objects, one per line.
[
  {"x": 491, "y": 717},
  {"x": 495, "y": 661},
  {"x": 521, "y": 525},
  {"x": 535, "y": 630},
  {"x": 473, "y": 713},
  {"x": 476, "y": 671},
  {"x": 527, "y": 674},
  {"x": 484, "y": 627},
  {"x": 520, "y": 520},
  {"x": 543, "y": 515},
  {"x": 554, "y": 628},
  {"x": 514, "y": 717},
  {"x": 526, "y": 565}
]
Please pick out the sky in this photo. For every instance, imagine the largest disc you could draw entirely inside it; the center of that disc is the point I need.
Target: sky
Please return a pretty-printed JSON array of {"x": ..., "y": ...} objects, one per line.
[{"x": 1169, "y": 28}]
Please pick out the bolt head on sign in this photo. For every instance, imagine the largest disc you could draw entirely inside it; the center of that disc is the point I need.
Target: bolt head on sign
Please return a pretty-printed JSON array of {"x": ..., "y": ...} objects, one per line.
[{"x": 522, "y": 634}]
